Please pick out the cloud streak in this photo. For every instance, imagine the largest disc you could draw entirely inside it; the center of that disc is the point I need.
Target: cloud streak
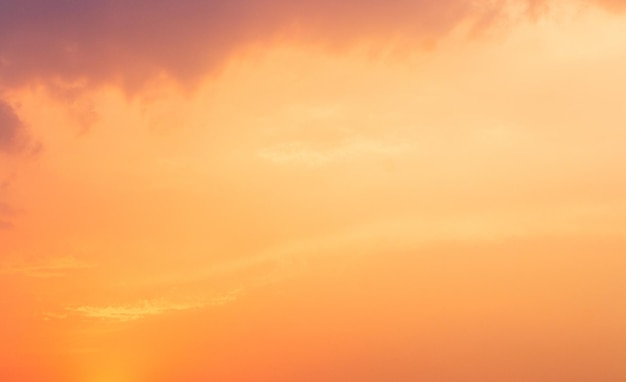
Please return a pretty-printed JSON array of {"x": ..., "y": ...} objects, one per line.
[
  {"x": 54, "y": 267},
  {"x": 144, "y": 309}
]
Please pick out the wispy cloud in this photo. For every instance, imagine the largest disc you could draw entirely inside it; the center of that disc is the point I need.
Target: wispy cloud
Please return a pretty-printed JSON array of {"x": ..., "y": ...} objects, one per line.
[
  {"x": 310, "y": 155},
  {"x": 53, "y": 267},
  {"x": 145, "y": 308},
  {"x": 54, "y": 316}
]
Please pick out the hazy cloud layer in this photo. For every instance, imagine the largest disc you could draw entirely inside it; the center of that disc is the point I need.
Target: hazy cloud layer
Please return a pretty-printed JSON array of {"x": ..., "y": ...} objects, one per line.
[
  {"x": 45, "y": 268},
  {"x": 128, "y": 42}
]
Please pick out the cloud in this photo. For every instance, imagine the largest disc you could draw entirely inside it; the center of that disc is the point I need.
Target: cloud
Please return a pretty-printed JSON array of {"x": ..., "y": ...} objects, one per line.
[
  {"x": 11, "y": 129},
  {"x": 6, "y": 210},
  {"x": 53, "y": 267},
  {"x": 14, "y": 137},
  {"x": 95, "y": 41},
  {"x": 15, "y": 142},
  {"x": 143, "y": 309},
  {"x": 6, "y": 182},
  {"x": 310, "y": 155},
  {"x": 6, "y": 213}
]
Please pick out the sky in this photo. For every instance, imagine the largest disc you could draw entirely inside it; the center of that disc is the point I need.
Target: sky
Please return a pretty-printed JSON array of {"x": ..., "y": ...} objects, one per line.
[{"x": 268, "y": 190}]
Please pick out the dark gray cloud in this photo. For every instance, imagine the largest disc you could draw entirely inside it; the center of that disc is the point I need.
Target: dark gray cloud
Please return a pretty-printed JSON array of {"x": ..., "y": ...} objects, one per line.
[{"x": 129, "y": 41}]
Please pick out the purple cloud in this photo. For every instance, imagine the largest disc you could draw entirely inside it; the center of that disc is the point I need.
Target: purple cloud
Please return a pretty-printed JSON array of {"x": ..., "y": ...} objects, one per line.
[{"x": 129, "y": 41}]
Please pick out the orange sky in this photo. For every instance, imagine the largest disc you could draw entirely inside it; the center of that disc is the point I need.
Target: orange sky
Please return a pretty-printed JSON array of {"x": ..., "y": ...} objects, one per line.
[{"x": 312, "y": 191}]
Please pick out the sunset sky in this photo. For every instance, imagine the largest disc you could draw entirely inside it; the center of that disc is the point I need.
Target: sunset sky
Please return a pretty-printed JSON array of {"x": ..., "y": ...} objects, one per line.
[{"x": 313, "y": 190}]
